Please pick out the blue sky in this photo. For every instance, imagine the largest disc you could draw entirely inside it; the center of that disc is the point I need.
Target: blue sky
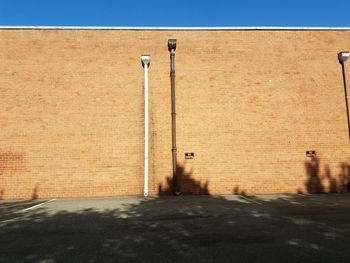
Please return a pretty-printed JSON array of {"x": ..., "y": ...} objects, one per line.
[{"x": 175, "y": 13}]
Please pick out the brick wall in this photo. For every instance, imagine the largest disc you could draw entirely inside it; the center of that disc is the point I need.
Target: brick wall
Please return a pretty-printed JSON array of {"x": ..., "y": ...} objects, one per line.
[{"x": 249, "y": 104}]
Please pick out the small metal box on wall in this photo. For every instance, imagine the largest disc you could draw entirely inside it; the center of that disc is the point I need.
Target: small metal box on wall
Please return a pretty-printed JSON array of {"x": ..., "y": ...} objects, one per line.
[
  {"x": 189, "y": 156},
  {"x": 311, "y": 154}
]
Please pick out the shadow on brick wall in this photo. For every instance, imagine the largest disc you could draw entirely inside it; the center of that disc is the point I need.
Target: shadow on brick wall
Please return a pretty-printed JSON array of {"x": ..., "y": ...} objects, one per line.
[
  {"x": 35, "y": 194},
  {"x": 318, "y": 181},
  {"x": 186, "y": 183},
  {"x": 237, "y": 191},
  {"x": 325, "y": 181}
]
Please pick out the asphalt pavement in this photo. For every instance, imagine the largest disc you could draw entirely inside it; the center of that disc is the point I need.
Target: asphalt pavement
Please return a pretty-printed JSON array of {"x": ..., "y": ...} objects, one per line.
[{"x": 266, "y": 228}]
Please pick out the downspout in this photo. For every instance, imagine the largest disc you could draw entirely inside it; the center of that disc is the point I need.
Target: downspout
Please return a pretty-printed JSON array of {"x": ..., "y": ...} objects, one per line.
[
  {"x": 343, "y": 56},
  {"x": 172, "y": 48},
  {"x": 145, "y": 63}
]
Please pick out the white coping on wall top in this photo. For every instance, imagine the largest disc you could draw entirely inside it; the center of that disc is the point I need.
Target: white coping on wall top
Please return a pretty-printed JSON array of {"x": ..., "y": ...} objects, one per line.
[{"x": 167, "y": 28}]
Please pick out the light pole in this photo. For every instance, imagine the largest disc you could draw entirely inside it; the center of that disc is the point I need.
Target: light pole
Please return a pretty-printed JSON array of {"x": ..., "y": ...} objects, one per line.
[
  {"x": 146, "y": 59},
  {"x": 343, "y": 56}
]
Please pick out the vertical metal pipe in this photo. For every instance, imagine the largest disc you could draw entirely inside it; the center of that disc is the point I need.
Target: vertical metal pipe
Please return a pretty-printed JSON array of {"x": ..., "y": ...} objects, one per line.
[
  {"x": 173, "y": 120},
  {"x": 172, "y": 47},
  {"x": 145, "y": 192},
  {"x": 346, "y": 96},
  {"x": 145, "y": 63}
]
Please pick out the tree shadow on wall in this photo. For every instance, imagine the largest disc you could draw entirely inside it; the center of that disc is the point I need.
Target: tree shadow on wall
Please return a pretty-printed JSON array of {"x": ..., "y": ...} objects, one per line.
[
  {"x": 326, "y": 182},
  {"x": 344, "y": 177},
  {"x": 237, "y": 191},
  {"x": 185, "y": 182}
]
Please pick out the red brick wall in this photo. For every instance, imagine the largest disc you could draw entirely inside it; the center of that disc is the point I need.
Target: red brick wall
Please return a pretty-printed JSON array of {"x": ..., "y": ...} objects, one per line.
[{"x": 249, "y": 104}]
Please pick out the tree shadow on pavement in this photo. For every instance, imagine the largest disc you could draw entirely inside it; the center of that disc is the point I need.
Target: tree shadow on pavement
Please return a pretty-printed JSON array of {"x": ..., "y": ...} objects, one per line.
[{"x": 207, "y": 228}]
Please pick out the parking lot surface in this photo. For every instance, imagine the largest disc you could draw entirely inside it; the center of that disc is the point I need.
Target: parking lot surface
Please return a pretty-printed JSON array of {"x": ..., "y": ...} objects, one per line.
[{"x": 267, "y": 228}]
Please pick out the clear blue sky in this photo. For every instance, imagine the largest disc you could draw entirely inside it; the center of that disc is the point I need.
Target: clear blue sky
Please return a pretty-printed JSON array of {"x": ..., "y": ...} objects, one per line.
[{"x": 175, "y": 13}]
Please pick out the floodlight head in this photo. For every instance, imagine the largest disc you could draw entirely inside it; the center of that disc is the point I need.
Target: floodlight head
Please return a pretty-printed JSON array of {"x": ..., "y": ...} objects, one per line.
[
  {"x": 171, "y": 44},
  {"x": 146, "y": 60},
  {"x": 343, "y": 56}
]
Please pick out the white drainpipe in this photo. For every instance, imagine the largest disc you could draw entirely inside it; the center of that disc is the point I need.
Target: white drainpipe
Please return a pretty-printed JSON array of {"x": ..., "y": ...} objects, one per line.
[{"x": 145, "y": 63}]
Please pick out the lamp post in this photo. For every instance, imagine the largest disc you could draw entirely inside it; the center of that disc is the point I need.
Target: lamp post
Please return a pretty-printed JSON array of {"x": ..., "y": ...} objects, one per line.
[
  {"x": 343, "y": 56},
  {"x": 146, "y": 59}
]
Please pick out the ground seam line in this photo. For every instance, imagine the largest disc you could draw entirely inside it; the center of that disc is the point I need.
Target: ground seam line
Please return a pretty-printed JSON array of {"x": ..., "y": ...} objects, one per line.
[
  {"x": 36, "y": 206},
  {"x": 250, "y": 200}
]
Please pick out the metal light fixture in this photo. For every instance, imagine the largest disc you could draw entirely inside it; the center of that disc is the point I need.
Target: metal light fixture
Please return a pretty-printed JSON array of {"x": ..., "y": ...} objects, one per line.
[
  {"x": 172, "y": 44},
  {"x": 343, "y": 56},
  {"x": 146, "y": 60}
]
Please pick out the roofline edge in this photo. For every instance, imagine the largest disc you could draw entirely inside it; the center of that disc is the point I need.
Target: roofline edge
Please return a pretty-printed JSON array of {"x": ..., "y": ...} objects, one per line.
[{"x": 169, "y": 28}]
